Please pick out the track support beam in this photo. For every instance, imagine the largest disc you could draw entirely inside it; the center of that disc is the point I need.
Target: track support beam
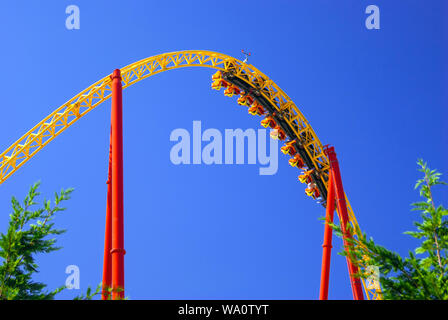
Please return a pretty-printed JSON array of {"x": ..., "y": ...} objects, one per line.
[
  {"x": 117, "y": 250},
  {"x": 336, "y": 187},
  {"x": 113, "y": 266},
  {"x": 107, "y": 262},
  {"x": 327, "y": 245}
]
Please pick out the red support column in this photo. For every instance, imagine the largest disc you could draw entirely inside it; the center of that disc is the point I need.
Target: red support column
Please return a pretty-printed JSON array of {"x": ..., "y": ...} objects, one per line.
[
  {"x": 117, "y": 250},
  {"x": 328, "y": 233},
  {"x": 107, "y": 263},
  {"x": 343, "y": 217}
]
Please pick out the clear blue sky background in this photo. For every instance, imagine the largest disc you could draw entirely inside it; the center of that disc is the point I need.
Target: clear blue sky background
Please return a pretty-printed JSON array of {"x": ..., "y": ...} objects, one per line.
[{"x": 200, "y": 232}]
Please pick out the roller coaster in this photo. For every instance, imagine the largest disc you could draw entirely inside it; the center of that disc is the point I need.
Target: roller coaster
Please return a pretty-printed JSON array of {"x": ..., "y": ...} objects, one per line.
[{"x": 318, "y": 164}]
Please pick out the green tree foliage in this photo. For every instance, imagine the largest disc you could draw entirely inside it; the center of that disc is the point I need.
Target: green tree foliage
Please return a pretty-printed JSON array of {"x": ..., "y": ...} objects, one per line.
[
  {"x": 30, "y": 232},
  {"x": 423, "y": 274},
  {"x": 90, "y": 294}
]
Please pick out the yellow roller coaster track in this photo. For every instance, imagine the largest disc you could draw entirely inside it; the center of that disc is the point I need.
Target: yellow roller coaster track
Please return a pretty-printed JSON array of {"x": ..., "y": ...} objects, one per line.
[{"x": 77, "y": 107}]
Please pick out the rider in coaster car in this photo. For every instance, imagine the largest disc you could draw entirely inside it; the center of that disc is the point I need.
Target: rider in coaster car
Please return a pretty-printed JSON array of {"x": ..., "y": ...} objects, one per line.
[
  {"x": 297, "y": 161},
  {"x": 217, "y": 75},
  {"x": 268, "y": 122},
  {"x": 278, "y": 134},
  {"x": 245, "y": 99},
  {"x": 312, "y": 190},
  {"x": 289, "y": 148},
  {"x": 219, "y": 83},
  {"x": 231, "y": 90},
  {"x": 256, "y": 109},
  {"x": 305, "y": 177}
]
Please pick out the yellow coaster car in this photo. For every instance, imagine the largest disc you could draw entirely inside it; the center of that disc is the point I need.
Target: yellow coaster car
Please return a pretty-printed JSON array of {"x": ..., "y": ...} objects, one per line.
[
  {"x": 217, "y": 75},
  {"x": 297, "y": 161},
  {"x": 231, "y": 90},
  {"x": 245, "y": 100},
  {"x": 312, "y": 190},
  {"x": 289, "y": 148},
  {"x": 219, "y": 83},
  {"x": 268, "y": 122},
  {"x": 256, "y": 109},
  {"x": 278, "y": 134},
  {"x": 306, "y": 176}
]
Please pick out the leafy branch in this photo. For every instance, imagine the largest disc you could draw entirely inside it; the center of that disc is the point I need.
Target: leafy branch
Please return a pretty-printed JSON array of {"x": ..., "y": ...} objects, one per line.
[
  {"x": 422, "y": 274},
  {"x": 29, "y": 233}
]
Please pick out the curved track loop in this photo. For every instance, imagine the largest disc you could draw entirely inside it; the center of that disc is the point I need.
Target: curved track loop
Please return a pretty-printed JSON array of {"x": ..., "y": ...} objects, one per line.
[{"x": 77, "y": 107}]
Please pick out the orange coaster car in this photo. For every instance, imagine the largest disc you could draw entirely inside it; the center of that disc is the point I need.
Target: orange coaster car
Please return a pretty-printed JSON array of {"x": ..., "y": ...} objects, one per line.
[
  {"x": 306, "y": 176},
  {"x": 217, "y": 75},
  {"x": 231, "y": 90},
  {"x": 278, "y": 133},
  {"x": 297, "y": 161},
  {"x": 219, "y": 83},
  {"x": 268, "y": 122},
  {"x": 289, "y": 148},
  {"x": 256, "y": 109},
  {"x": 312, "y": 190},
  {"x": 245, "y": 100}
]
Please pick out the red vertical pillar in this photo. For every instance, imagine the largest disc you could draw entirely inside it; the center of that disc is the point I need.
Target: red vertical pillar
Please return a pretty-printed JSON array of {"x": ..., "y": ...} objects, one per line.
[
  {"x": 107, "y": 263},
  {"x": 117, "y": 250},
  {"x": 343, "y": 217},
  {"x": 328, "y": 233}
]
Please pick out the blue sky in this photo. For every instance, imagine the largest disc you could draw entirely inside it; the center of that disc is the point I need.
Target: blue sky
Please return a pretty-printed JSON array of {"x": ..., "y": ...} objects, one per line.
[{"x": 224, "y": 231}]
